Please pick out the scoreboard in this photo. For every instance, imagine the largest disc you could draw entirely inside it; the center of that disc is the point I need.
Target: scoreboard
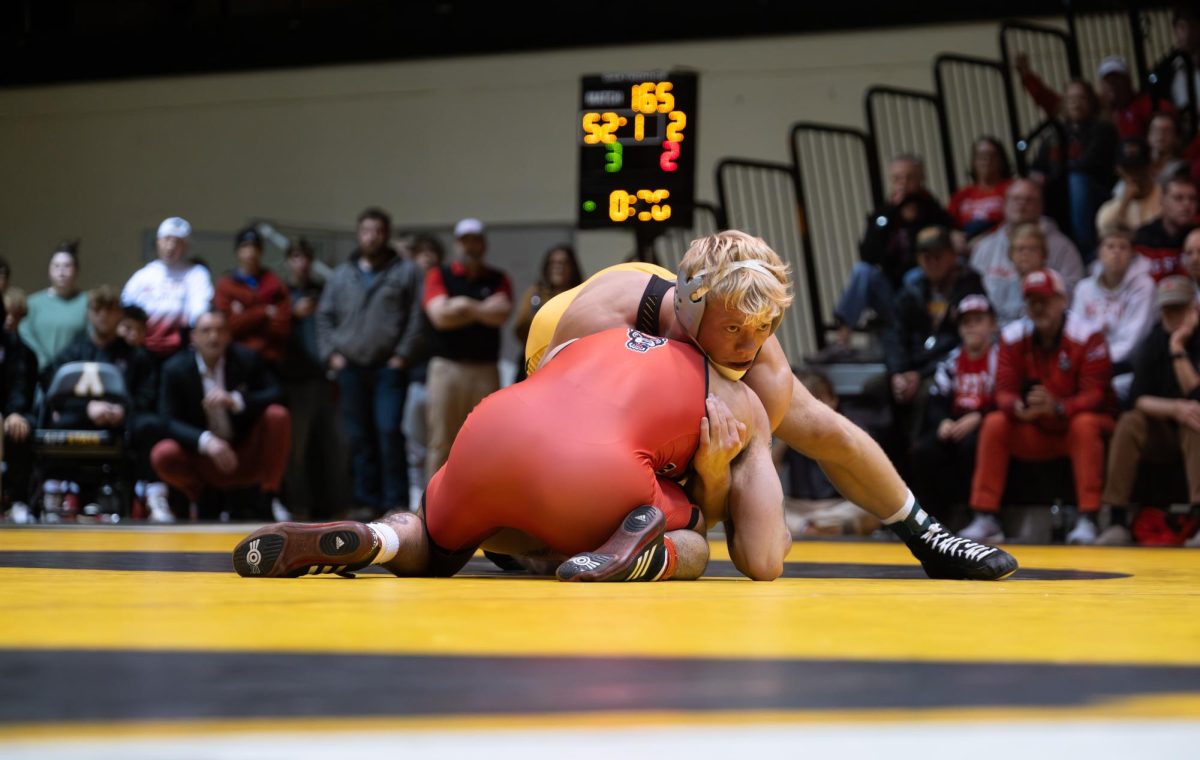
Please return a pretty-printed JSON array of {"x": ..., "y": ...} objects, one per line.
[{"x": 637, "y": 150}]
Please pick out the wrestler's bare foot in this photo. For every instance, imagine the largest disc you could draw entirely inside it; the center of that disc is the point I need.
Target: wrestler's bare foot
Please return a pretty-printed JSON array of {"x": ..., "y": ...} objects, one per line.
[
  {"x": 292, "y": 549},
  {"x": 635, "y": 552}
]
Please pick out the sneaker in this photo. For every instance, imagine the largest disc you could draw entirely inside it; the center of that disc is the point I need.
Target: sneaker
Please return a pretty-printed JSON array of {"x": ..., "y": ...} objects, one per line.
[
  {"x": 20, "y": 514},
  {"x": 946, "y": 556},
  {"x": 634, "y": 553},
  {"x": 160, "y": 508},
  {"x": 1084, "y": 532},
  {"x": 1194, "y": 541},
  {"x": 1115, "y": 535},
  {"x": 984, "y": 528},
  {"x": 292, "y": 549},
  {"x": 279, "y": 512}
]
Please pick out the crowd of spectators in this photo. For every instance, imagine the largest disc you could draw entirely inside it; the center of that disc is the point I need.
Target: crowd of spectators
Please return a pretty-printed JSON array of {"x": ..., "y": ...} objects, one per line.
[
  {"x": 1041, "y": 317},
  {"x": 250, "y": 394}
]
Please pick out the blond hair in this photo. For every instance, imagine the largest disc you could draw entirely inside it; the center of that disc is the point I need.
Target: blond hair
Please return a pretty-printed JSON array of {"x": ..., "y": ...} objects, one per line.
[
  {"x": 1028, "y": 229},
  {"x": 757, "y": 295}
]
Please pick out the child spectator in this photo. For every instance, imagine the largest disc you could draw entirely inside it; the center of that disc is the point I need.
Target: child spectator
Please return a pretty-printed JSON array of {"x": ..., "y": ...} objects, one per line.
[
  {"x": 963, "y": 391},
  {"x": 1119, "y": 300}
]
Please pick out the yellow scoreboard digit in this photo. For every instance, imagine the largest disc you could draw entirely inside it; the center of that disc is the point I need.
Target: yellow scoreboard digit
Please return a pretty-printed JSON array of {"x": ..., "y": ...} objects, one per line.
[{"x": 637, "y": 149}]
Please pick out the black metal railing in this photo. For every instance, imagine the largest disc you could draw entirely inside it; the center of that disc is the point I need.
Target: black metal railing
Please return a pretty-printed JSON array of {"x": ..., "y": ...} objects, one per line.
[
  {"x": 977, "y": 99},
  {"x": 1052, "y": 57},
  {"x": 907, "y": 121}
]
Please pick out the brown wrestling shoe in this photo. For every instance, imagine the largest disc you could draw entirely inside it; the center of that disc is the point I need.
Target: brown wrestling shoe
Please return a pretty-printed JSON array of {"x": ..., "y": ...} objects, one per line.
[
  {"x": 634, "y": 553},
  {"x": 292, "y": 549}
]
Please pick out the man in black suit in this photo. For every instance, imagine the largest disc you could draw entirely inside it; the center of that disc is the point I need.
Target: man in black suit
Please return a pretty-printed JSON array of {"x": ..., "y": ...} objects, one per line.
[{"x": 226, "y": 425}]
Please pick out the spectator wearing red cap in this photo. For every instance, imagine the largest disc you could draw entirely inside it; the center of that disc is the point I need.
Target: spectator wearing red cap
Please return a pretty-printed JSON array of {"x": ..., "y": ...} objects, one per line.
[{"x": 1054, "y": 399}]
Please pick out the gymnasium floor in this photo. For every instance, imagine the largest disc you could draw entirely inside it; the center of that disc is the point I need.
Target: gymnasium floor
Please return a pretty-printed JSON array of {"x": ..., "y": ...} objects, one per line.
[{"x": 141, "y": 642}]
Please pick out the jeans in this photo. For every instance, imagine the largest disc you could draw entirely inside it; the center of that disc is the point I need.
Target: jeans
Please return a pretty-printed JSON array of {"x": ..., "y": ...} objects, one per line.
[
  {"x": 372, "y": 405},
  {"x": 1086, "y": 195},
  {"x": 868, "y": 287}
]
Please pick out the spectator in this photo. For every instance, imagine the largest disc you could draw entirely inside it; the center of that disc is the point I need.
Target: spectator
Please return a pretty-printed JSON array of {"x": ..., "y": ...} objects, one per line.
[
  {"x": 1054, "y": 399},
  {"x": 18, "y": 382},
  {"x": 1022, "y": 204},
  {"x": 1189, "y": 259},
  {"x": 963, "y": 391},
  {"x": 560, "y": 272},
  {"x": 813, "y": 506},
  {"x": 1167, "y": 154},
  {"x": 315, "y": 477},
  {"x": 467, "y": 302},
  {"x": 1169, "y": 76},
  {"x": 1137, "y": 198},
  {"x": 1161, "y": 240},
  {"x": 427, "y": 253},
  {"x": 926, "y": 325},
  {"x": 153, "y": 493},
  {"x": 1119, "y": 101},
  {"x": 58, "y": 314},
  {"x": 5, "y": 273},
  {"x": 172, "y": 290},
  {"x": 132, "y": 327},
  {"x": 977, "y": 208},
  {"x": 1090, "y": 155},
  {"x": 1163, "y": 424},
  {"x": 225, "y": 423},
  {"x": 886, "y": 249},
  {"x": 368, "y": 332},
  {"x": 102, "y": 344},
  {"x": 1119, "y": 300},
  {"x": 256, "y": 301}
]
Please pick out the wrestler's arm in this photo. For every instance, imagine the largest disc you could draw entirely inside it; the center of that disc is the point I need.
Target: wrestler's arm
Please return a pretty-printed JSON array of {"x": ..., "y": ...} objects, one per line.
[
  {"x": 722, "y": 437},
  {"x": 771, "y": 380},
  {"x": 755, "y": 531},
  {"x": 854, "y": 462}
]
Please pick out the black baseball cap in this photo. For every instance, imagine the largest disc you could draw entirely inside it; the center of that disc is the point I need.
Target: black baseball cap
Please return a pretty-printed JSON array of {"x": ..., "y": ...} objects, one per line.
[{"x": 248, "y": 236}]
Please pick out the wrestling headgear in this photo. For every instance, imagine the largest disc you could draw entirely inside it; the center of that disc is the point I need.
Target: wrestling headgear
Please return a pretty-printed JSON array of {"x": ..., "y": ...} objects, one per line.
[{"x": 690, "y": 295}]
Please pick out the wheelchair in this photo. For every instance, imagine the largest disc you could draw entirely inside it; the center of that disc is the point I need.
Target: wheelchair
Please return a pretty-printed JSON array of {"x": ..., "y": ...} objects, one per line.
[{"x": 100, "y": 461}]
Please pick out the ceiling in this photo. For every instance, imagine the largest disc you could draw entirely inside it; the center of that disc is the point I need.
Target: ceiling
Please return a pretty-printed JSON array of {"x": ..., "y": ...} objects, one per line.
[{"x": 48, "y": 41}]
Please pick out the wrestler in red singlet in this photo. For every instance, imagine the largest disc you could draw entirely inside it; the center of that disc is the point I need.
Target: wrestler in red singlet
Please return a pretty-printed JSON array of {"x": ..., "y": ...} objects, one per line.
[{"x": 566, "y": 454}]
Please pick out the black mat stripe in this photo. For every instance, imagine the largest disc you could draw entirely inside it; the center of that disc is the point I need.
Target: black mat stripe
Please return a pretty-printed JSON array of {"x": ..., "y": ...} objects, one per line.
[
  {"x": 221, "y": 562},
  {"x": 73, "y": 685}
]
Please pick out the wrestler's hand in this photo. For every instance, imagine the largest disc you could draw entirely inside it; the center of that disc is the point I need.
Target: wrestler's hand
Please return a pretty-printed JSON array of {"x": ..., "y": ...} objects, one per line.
[{"x": 722, "y": 437}]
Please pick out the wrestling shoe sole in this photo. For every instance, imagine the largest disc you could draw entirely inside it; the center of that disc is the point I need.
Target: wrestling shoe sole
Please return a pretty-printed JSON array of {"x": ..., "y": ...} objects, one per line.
[
  {"x": 289, "y": 550},
  {"x": 624, "y": 555}
]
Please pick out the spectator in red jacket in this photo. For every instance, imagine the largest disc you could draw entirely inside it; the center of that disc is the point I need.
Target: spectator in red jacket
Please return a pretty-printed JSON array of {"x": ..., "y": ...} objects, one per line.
[
  {"x": 1054, "y": 399},
  {"x": 256, "y": 302}
]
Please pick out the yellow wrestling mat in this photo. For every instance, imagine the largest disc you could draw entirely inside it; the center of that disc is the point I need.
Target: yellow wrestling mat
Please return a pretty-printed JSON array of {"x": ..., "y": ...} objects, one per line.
[{"x": 142, "y": 642}]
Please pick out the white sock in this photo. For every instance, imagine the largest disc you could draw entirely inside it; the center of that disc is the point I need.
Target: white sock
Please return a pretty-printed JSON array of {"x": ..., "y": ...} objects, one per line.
[
  {"x": 390, "y": 540},
  {"x": 903, "y": 512}
]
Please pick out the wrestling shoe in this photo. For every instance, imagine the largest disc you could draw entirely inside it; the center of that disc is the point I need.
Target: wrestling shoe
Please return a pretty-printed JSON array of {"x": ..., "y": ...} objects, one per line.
[
  {"x": 946, "y": 556},
  {"x": 292, "y": 549},
  {"x": 635, "y": 552}
]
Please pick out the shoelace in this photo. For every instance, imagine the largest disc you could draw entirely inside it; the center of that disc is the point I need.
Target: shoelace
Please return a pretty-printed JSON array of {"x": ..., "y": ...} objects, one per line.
[{"x": 954, "y": 546}]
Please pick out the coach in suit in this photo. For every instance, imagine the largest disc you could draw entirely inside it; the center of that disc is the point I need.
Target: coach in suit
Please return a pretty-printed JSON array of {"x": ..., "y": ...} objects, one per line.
[{"x": 226, "y": 425}]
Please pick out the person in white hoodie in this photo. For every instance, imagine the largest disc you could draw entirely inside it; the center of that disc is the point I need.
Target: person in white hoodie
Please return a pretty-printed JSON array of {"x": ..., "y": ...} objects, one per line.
[
  {"x": 1118, "y": 298},
  {"x": 990, "y": 257}
]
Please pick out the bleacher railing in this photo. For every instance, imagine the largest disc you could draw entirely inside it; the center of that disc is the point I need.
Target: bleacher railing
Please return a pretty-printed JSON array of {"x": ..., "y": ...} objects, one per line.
[{"x": 907, "y": 121}]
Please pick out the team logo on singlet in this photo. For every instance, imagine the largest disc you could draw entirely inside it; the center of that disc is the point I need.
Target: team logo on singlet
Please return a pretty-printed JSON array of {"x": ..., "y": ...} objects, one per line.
[{"x": 642, "y": 343}]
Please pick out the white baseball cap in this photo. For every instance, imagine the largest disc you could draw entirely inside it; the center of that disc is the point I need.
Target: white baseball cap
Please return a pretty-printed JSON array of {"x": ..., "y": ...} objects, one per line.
[
  {"x": 468, "y": 227},
  {"x": 175, "y": 226},
  {"x": 1112, "y": 64}
]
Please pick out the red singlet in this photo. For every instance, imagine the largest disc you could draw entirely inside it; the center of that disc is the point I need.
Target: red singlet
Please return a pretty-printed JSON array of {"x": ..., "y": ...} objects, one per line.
[{"x": 565, "y": 454}]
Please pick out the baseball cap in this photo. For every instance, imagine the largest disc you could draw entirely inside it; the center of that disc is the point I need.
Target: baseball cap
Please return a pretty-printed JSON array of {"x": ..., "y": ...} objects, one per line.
[
  {"x": 175, "y": 226},
  {"x": 248, "y": 236},
  {"x": 934, "y": 238},
  {"x": 976, "y": 302},
  {"x": 1043, "y": 282},
  {"x": 468, "y": 227},
  {"x": 1133, "y": 153},
  {"x": 1112, "y": 64},
  {"x": 1175, "y": 290}
]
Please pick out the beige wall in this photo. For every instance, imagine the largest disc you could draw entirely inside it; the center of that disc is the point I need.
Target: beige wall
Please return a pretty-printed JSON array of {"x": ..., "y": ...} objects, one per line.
[{"x": 431, "y": 141}]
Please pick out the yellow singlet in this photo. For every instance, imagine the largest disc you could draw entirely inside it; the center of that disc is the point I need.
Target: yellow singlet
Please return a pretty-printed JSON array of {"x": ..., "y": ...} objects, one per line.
[{"x": 545, "y": 321}]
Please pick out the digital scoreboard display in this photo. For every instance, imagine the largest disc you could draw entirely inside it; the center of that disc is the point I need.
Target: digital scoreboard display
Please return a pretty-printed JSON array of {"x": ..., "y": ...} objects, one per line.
[{"x": 637, "y": 150}]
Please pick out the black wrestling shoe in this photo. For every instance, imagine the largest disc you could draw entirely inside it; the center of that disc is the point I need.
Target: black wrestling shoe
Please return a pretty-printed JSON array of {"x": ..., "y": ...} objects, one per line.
[
  {"x": 946, "y": 556},
  {"x": 635, "y": 552},
  {"x": 292, "y": 549}
]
